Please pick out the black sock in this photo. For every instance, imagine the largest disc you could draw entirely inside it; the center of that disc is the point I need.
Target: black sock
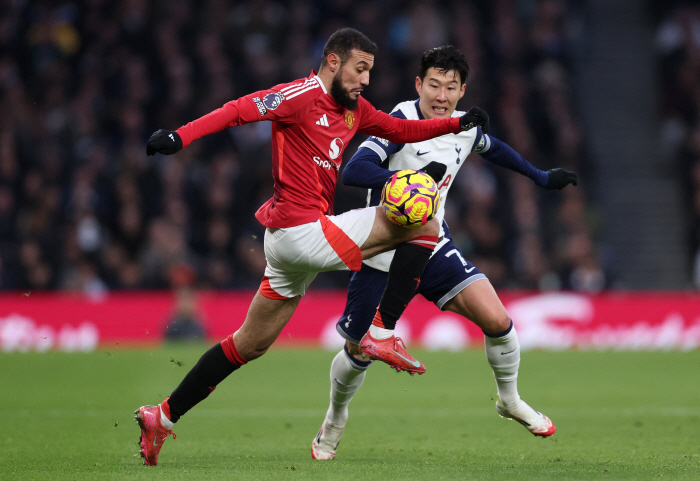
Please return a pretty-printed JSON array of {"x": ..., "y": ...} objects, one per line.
[
  {"x": 212, "y": 368},
  {"x": 406, "y": 268}
]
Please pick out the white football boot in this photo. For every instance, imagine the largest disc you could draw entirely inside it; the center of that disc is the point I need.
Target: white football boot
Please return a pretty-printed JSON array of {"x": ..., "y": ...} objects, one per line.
[
  {"x": 535, "y": 422},
  {"x": 326, "y": 441}
]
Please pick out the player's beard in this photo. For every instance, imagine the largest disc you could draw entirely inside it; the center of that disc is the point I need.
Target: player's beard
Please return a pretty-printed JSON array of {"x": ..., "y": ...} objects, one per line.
[{"x": 340, "y": 94}]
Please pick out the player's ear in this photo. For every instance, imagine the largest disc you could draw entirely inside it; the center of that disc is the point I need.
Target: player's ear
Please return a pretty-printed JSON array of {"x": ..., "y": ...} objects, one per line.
[
  {"x": 419, "y": 83},
  {"x": 333, "y": 62},
  {"x": 462, "y": 90}
]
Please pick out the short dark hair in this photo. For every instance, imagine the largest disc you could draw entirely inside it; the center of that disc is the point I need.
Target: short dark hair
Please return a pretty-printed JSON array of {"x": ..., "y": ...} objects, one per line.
[
  {"x": 344, "y": 41},
  {"x": 444, "y": 59}
]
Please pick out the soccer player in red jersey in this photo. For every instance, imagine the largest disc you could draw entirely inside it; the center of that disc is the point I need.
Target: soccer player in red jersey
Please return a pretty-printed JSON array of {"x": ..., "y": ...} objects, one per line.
[{"x": 313, "y": 119}]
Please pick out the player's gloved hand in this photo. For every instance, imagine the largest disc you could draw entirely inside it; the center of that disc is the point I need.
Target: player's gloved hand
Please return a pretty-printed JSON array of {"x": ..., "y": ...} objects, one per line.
[
  {"x": 560, "y": 178},
  {"x": 475, "y": 116},
  {"x": 436, "y": 170},
  {"x": 164, "y": 142}
]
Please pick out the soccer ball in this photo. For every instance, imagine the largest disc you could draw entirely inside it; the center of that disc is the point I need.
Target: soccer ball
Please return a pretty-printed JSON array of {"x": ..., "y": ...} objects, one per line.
[{"x": 410, "y": 198}]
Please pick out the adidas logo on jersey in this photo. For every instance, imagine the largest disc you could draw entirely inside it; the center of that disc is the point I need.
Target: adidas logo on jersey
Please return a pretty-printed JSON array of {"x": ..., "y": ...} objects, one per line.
[{"x": 323, "y": 121}]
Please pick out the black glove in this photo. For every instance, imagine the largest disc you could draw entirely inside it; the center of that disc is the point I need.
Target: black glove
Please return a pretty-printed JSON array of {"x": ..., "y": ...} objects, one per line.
[
  {"x": 475, "y": 116},
  {"x": 164, "y": 142},
  {"x": 436, "y": 170},
  {"x": 560, "y": 178}
]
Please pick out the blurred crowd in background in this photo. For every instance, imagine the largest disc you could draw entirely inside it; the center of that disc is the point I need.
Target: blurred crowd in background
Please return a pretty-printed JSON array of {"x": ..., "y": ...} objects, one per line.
[
  {"x": 83, "y": 84},
  {"x": 678, "y": 46}
]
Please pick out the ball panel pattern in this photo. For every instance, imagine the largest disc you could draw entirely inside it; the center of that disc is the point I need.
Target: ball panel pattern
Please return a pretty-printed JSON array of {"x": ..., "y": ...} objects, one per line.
[{"x": 410, "y": 198}]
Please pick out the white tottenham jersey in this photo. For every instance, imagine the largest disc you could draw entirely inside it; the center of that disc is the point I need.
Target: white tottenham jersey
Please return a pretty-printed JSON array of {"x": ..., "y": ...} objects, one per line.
[{"x": 450, "y": 149}]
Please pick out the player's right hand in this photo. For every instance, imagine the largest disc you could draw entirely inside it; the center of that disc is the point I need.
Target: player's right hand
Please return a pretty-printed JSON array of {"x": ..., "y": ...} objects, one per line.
[
  {"x": 560, "y": 178},
  {"x": 475, "y": 116},
  {"x": 436, "y": 170},
  {"x": 164, "y": 142}
]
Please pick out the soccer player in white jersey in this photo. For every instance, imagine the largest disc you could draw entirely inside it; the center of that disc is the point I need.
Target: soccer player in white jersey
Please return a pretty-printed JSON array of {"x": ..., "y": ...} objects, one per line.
[
  {"x": 312, "y": 120},
  {"x": 450, "y": 281}
]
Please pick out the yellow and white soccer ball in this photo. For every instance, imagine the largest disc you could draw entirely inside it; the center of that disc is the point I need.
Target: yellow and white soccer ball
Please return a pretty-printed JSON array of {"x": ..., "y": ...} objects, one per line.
[{"x": 410, "y": 198}]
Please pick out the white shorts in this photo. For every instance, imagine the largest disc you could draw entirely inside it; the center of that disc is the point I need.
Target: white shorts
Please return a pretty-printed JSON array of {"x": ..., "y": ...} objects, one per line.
[{"x": 296, "y": 254}]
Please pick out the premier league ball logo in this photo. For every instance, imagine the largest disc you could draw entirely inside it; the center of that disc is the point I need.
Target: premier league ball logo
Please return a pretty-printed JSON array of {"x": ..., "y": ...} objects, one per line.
[{"x": 273, "y": 100}]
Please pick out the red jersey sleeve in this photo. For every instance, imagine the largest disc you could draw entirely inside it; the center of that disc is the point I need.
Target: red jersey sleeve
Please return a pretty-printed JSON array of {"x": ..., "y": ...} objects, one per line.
[
  {"x": 402, "y": 131},
  {"x": 269, "y": 104}
]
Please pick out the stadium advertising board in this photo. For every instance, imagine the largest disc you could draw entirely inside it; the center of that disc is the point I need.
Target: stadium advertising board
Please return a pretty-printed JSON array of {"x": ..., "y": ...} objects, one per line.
[{"x": 557, "y": 320}]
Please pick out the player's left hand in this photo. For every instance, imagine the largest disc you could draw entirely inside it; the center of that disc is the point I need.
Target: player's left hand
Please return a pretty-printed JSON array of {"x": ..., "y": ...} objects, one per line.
[
  {"x": 164, "y": 142},
  {"x": 475, "y": 116},
  {"x": 560, "y": 178},
  {"x": 436, "y": 170}
]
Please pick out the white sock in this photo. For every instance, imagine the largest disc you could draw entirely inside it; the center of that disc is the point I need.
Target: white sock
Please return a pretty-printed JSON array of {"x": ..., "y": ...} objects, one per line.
[
  {"x": 503, "y": 354},
  {"x": 167, "y": 423},
  {"x": 379, "y": 332},
  {"x": 346, "y": 380}
]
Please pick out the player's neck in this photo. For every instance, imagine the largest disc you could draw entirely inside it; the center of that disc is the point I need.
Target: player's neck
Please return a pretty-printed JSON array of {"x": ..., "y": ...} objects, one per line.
[
  {"x": 422, "y": 109},
  {"x": 326, "y": 77}
]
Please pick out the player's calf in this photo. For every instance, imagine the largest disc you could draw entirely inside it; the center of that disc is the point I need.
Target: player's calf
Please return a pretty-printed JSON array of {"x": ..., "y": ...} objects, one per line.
[{"x": 347, "y": 376}]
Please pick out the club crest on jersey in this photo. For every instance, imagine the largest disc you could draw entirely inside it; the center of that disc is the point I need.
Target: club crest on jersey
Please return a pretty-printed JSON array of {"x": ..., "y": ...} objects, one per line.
[
  {"x": 273, "y": 100},
  {"x": 261, "y": 107},
  {"x": 349, "y": 118}
]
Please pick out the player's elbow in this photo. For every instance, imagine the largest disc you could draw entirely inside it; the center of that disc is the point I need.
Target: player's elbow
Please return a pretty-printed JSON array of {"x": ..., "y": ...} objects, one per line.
[{"x": 349, "y": 176}]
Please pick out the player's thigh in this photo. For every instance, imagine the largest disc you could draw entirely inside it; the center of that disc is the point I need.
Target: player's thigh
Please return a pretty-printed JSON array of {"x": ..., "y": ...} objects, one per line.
[
  {"x": 455, "y": 284},
  {"x": 446, "y": 274},
  {"x": 364, "y": 293},
  {"x": 263, "y": 323},
  {"x": 385, "y": 235},
  {"x": 479, "y": 303},
  {"x": 296, "y": 254},
  {"x": 284, "y": 282},
  {"x": 333, "y": 242}
]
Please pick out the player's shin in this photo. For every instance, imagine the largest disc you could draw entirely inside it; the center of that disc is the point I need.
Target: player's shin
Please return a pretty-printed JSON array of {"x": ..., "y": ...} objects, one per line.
[
  {"x": 212, "y": 368},
  {"x": 347, "y": 376},
  {"x": 406, "y": 268},
  {"x": 503, "y": 354}
]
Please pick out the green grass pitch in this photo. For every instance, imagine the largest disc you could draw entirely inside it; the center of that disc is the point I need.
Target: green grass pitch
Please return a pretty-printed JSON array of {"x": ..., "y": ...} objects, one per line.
[{"x": 619, "y": 415}]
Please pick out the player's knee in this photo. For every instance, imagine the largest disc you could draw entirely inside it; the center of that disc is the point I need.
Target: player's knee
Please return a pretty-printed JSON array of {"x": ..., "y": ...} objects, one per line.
[
  {"x": 496, "y": 322},
  {"x": 431, "y": 228}
]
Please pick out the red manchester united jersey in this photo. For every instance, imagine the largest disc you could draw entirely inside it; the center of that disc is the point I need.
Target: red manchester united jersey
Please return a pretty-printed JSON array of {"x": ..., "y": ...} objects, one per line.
[{"x": 310, "y": 131}]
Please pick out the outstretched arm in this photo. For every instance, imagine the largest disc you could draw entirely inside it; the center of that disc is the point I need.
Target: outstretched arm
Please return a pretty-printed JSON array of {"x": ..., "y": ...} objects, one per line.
[
  {"x": 377, "y": 123},
  {"x": 502, "y": 154},
  {"x": 268, "y": 104},
  {"x": 236, "y": 112}
]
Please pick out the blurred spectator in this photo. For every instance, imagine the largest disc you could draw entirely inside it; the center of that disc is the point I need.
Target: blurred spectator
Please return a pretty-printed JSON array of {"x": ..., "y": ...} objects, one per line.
[
  {"x": 83, "y": 85},
  {"x": 678, "y": 47},
  {"x": 185, "y": 322}
]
